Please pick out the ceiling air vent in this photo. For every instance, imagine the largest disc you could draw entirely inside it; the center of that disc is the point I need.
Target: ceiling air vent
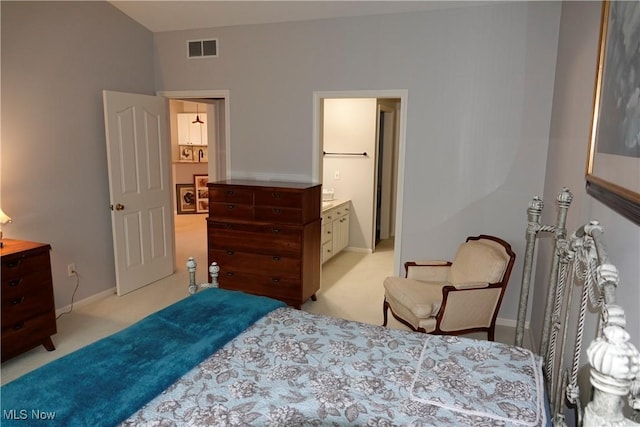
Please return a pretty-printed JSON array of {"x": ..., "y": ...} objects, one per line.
[{"x": 202, "y": 48}]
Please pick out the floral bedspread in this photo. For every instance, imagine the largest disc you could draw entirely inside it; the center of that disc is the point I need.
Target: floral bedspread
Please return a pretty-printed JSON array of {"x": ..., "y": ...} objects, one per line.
[{"x": 293, "y": 368}]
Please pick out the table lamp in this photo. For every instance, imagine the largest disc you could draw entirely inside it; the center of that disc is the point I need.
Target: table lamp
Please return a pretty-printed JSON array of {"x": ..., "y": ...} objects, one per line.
[{"x": 4, "y": 219}]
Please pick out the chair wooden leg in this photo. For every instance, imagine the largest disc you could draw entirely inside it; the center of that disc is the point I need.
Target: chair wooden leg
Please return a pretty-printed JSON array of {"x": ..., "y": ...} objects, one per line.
[{"x": 385, "y": 308}]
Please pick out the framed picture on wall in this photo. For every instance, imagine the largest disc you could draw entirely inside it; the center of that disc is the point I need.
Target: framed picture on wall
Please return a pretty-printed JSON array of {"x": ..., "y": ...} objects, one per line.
[
  {"x": 202, "y": 193},
  {"x": 186, "y": 153},
  {"x": 185, "y": 199},
  {"x": 613, "y": 166}
]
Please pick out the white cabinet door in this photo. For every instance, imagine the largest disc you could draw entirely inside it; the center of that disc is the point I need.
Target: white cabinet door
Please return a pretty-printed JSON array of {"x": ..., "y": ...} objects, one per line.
[
  {"x": 341, "y": 233},
  {"x": 327, "y": 251},
  {"x": 335, "y": 230},
  {"x": 190, "y": 133}
]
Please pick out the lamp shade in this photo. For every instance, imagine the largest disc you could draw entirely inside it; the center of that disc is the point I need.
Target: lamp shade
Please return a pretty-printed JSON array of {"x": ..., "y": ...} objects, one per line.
[{"x": 4, "y": 218}]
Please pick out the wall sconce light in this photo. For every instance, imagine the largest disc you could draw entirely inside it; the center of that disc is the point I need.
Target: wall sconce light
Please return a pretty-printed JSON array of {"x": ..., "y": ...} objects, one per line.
[{"x": 4, "y": 219}]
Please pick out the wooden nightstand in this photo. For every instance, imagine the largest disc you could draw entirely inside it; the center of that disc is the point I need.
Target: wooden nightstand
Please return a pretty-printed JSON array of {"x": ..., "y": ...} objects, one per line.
[{"x": 28, "y": 309}]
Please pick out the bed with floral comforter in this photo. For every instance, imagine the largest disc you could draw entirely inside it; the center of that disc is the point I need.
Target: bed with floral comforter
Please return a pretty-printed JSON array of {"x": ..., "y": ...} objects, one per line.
[{"x": 293, "y": 368}]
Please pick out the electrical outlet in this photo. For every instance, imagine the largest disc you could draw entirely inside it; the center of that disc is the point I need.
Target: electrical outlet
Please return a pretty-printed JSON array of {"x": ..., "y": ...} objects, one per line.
[{"x": 71, "y": 269}]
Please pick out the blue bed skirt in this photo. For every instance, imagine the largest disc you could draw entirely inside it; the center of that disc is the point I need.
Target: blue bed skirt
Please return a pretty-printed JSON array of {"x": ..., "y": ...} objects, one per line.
[{"x": 105, "y": 382}]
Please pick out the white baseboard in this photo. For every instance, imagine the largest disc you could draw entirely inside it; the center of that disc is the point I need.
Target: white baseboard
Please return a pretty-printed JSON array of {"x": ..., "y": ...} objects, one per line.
[
  {"x": 510, "y": 323},
  {"x": 527, "y": 339},
  {"x": 88, "y": 300}
]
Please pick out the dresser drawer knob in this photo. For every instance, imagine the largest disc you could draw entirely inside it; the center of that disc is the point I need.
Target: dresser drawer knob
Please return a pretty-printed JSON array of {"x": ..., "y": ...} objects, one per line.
[
  {"x": 15, "y": 282},
  {"x": 277, "y": 210},
  {"x": 17, "y": 301},
  {"x": 276, "y": 258},
  {"x": 275, "y": 280},
  {"x": 230, "y": 192},
  {"x": 276, "y": 195},
  {"x": 275, "y": 230},
  {"x": 230, "y": 207},
  {"x": 18, "y": 326},
  {"x": 230, "y": 274},
  {"x": 230, "y": 252}
]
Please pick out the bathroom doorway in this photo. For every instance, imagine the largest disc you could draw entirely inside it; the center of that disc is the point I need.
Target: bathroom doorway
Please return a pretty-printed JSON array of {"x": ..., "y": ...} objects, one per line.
[{"x": 365, "y": 131}]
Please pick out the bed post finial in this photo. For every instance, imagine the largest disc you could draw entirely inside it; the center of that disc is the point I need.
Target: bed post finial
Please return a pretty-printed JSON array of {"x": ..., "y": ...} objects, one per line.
[
  {"x": 615, "y": 369},
  {"x": 564, "y": 198},
  {"x": 191, "y": 268},
  {"x": 213, "y": 272}
]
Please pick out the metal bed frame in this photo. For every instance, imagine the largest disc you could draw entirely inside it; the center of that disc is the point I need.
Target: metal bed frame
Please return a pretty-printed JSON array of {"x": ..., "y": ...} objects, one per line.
[{"x": 581, "y": 267}]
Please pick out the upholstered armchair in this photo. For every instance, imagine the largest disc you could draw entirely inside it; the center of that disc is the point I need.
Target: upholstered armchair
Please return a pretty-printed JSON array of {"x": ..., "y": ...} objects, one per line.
[{"x": 453, "y": 297}]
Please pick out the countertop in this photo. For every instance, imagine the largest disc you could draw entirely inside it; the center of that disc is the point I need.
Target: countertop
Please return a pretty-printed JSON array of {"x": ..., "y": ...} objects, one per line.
[{"x": 332, "y": 204}]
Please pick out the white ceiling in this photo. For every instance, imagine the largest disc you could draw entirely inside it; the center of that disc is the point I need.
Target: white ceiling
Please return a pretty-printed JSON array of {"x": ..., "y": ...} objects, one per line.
[{"x": 163, "y": 15}]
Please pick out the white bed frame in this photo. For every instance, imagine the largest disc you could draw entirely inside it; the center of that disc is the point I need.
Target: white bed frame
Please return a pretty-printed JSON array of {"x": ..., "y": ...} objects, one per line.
[{"x": 581, "y": 264}]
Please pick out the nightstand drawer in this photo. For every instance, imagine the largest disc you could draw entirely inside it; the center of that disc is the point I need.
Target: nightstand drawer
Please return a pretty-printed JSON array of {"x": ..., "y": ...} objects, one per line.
[
  {"x": 26, "y": 334},
  {"x": 23, "y": 306},
  {"x": 24, "y": 284},
  {"x": 15, "y": 267}
]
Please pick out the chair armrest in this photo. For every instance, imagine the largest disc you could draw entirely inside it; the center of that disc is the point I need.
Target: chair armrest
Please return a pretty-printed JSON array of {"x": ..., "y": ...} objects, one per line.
[
  {"x": 468, "y": 308},
  {"x": 430, "y": 271},
  {"x": 470, "y": 285}
]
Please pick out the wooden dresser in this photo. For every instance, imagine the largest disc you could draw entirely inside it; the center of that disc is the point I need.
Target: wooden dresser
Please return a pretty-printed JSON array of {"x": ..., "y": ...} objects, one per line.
[
  {"x": 265, "y": 236},
  {"x": 28, "y": 309}
]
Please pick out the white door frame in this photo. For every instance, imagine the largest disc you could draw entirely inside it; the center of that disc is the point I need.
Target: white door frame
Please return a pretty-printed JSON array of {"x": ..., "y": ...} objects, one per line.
[
  {"x": 403, "y": 95},
  {"x": 202, "y": 94}
]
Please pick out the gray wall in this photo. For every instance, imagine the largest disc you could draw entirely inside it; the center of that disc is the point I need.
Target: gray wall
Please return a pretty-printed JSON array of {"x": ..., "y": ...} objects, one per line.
[
  {"x": 569, "y": 139},
  {"x": 480, "y": 86},
  {"x": 57, "y": 57}
]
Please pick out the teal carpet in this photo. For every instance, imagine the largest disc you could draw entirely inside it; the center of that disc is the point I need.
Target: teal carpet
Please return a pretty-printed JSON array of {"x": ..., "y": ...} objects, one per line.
[{"x": 105, "y": 382}]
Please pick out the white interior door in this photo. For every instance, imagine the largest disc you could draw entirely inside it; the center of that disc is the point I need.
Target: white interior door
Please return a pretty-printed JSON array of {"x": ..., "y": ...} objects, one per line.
[{"x": 139, "y": 164}]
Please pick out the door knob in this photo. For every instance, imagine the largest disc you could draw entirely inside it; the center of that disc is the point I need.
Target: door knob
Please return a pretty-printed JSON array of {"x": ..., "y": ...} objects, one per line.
[{"x": 119, "y": 207}]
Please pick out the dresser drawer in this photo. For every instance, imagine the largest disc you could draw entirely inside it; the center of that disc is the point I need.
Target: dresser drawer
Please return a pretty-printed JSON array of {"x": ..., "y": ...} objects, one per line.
[
  {"x": 275, "y": 214},
  {"x": 24, "y": 334},
  {"x": 231, "y": 211},
  {"x": 271, "y": 286},
  {"x": 231, "y": 195},
  {"x": 270, "y": 265},
  {"x": 15, "y": 267},
  {"x": 24, "y": 306},
  {"x": 24, "y": 284},
  {"x": 278, "y": 198},
  {"x": 265, "y": 239}
]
